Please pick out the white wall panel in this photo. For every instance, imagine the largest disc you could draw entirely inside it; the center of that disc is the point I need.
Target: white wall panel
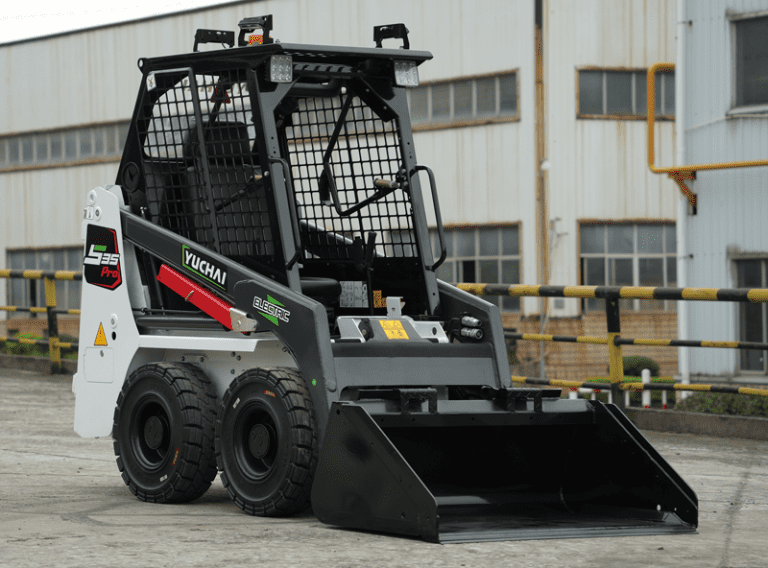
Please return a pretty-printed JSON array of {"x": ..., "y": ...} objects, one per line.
[
  {"x": 91, "y": 76},
  {"x": 733, "y": 203},
  {"x": 598, "y": 166}
]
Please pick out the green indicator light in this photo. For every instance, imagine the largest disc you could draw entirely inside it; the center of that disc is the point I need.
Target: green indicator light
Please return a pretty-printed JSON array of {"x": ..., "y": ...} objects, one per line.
[{"x": 314, "y": 382}]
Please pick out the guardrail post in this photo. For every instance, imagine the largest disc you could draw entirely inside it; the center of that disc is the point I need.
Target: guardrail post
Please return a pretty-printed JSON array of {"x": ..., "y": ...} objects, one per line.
[
  {"x": 53, "y": 328},
  {"x": 614, "y": 351},
  {"x": 645, "y": 376}
]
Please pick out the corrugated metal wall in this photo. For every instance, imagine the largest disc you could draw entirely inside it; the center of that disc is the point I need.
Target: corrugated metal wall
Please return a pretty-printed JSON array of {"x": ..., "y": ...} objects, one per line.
[
  {"x": 599, "y": 166},
  {"x": 485, "y": 174},
  {"x": 733, "y": 203}
]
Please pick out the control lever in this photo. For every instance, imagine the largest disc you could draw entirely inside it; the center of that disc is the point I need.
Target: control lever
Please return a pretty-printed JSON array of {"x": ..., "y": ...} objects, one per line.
[{"x": 363, "y": 255}]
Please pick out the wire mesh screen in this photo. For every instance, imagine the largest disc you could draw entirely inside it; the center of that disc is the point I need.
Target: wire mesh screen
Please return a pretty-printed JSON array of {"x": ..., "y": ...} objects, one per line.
[
  {"x": 203, "y": 177},
  {"x": 367, "y": 149}
]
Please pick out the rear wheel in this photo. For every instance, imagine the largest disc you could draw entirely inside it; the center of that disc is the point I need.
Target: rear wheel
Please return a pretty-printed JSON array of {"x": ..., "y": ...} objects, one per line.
[
  {"x": 266, "y": 442},
  {"x": 163, "y": 430}
]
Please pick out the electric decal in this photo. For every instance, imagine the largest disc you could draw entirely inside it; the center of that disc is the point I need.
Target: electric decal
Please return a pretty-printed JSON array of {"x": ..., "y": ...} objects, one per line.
[
  {"x": 101, "y": 265},
  {"x": 271, "y": 309},
  {"x": 203, "y": 266}
]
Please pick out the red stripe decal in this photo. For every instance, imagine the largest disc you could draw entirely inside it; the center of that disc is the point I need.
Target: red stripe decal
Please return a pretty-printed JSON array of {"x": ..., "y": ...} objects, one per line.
[{"x": 198, "y": 296}]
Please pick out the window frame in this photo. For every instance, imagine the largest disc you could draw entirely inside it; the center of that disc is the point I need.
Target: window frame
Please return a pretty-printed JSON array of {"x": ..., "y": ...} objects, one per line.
[
  {"x": 113, "y": 140},
  {"x": 476, "y": 118},
  {"x": 634, "y": 305},
  {"x": 737, "y": 107},
  {"x": 763, "y": 259},
  {"x": 662, "y": 78},
  {"x": 507, "y": 304}
]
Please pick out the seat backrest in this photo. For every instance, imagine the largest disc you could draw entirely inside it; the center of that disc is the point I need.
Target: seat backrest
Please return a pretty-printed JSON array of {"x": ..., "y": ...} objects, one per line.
[{"x": 240, "y": 205}]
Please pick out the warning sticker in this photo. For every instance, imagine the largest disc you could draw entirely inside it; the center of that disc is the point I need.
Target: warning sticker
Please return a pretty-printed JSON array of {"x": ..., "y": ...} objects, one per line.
[
  {"x": 353, "y": 294},
  {"x": 394, "y": 329},
  {"x": 101, "y": 339}
]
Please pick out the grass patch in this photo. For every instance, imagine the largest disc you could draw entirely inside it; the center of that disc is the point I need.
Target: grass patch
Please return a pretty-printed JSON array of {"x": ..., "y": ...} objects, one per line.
[
  {"x": 33, "y": 350},
  {"x": 722, "y": 403}
]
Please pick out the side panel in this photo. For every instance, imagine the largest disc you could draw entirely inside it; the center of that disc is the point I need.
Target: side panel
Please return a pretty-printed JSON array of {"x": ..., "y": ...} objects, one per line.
[
  {"x": 111, "y": 346},
  {"x": 108, "y": 334},
  {"x": 456, "y": 303}
]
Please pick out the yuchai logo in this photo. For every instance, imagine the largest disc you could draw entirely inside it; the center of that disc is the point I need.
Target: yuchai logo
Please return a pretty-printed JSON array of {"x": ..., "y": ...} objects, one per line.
[
  {"x": 197, "y": 263},
  {"x": 271, "y": 309}
]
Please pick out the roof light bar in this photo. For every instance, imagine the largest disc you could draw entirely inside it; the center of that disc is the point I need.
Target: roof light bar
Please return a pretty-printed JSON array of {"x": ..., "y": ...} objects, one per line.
[{"x": 406, "y": 74}]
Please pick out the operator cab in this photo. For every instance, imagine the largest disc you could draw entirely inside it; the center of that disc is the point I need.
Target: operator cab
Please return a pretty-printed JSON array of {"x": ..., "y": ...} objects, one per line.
[{"x": 295, "y": 161}]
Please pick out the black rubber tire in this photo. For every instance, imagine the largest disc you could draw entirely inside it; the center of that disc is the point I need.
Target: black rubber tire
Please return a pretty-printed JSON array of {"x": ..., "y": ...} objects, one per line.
[
  {"x": 163, "y": 430},
  {"x": 266, "y": 442}
]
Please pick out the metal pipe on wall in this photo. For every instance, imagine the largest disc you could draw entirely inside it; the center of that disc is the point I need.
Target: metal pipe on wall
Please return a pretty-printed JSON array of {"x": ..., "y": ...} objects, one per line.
[{"x": 682, "y": 203}]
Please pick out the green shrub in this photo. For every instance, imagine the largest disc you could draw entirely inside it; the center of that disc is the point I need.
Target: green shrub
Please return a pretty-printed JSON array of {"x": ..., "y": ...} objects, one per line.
[
  {"x": 721, "y": 403},
  {"x": 13, "y": 348},
  {"x": 26, "y": 348},
  {"x": 633, "y": 366}
]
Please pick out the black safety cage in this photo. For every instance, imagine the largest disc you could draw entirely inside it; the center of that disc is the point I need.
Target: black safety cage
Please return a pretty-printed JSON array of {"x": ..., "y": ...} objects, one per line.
[{"x": 315, "y": 177}]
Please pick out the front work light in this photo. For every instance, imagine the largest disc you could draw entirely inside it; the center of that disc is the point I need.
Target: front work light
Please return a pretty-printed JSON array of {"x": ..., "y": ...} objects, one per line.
[
  {"x": 406, "y": 74},
  {"x": 281, "y": 69}
]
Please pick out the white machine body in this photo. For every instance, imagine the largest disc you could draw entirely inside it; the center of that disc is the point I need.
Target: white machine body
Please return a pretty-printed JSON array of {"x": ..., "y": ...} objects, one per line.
[{"x": 111, "y": 346}]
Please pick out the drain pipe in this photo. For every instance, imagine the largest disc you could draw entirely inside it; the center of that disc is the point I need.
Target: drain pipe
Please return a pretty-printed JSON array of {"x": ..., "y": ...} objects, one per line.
[{"x": 682, "y": 205}]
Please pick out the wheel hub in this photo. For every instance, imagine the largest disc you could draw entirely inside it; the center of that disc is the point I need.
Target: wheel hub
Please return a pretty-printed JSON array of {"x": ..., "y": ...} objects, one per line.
[
  {"x": 258, "y": 441},
  {"x": 154, "y": 431}
]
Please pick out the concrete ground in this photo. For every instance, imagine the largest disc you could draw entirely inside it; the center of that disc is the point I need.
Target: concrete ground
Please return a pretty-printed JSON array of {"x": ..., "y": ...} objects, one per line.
[{"x": 62, "y": 503}]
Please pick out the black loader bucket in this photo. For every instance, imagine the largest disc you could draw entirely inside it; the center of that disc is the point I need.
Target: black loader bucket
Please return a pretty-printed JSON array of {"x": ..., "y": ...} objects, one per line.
[{"x": 477, "y": 470}]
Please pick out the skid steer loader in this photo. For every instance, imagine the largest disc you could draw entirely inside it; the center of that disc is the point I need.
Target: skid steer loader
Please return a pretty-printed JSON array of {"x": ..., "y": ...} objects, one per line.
[{"x": 260, "y": 299}]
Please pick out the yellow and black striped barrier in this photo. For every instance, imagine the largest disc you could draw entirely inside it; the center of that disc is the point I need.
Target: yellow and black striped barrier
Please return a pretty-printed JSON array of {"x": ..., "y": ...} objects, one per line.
[
  {"x": 612, "y": 295},
  {"x": 40, "y": 342},
  {"x": 558, "y": 338},
  {"x": 50, "y": 277},
  {"x": 619, "y": 292},
  {"x": 560, "y": 383},
  {"x": 694, "y": 387},
  {"x": 38, "y": 310},
  {"x": 692, "y": 343},
  {"x": 38, "y": 274},
  {"x": 641, "y": 386},
  {"x": 634, "y": 341}
]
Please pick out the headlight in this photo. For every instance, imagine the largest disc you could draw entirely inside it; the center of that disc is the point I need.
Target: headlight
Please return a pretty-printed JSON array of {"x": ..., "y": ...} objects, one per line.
[
  {"x": 281, "y": 69},
  {"x": 406, "y": 74}
]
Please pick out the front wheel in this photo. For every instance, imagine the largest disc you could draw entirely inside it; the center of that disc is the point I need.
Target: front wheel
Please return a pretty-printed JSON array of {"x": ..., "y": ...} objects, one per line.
[
  {"x": 266, "y": 442},
  {"x": 163, "y": 430}
]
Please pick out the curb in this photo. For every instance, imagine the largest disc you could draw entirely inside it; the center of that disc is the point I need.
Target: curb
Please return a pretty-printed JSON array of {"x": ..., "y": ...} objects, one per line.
[
  {"x": 699, "y": 423},
  {"x": 41, "y": 365}
]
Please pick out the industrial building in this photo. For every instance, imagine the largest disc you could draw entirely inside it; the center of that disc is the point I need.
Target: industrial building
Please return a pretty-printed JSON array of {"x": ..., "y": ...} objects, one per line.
[
  {"x": 532, "y": 115},
  {"x": 723, "y": 53}
]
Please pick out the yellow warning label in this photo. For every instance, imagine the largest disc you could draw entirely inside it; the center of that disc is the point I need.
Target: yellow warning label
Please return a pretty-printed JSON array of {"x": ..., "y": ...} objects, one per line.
[
  {"x": 378, "y": 301},
  {"x": 393, "y": 329},
  {"x": 101, "y": 339}
]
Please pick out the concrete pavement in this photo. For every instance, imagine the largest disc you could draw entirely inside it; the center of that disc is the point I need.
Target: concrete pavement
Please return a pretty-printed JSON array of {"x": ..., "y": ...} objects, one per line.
[{"x": 63, "y": 504}]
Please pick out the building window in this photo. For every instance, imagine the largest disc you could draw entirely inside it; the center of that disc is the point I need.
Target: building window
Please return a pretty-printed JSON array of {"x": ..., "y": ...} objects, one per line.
[
  {"x": 490, "y": 255},
  {"x": 31, "y": 293},
  {"x": 472, "y": 100},
  {"x": 751, "y": 61},
  {"x": 619, "y": 254},
  {"x": 63, "y": 147},
  {"x": 623, "y": 94},
  {"x": 753, "y": 318}
]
